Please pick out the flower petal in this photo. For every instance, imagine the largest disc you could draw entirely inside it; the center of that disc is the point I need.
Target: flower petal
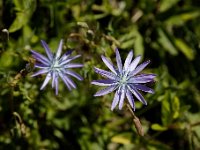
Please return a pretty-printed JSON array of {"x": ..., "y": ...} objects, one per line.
[
  {"x": 119, "y": 61},
  {"x": 128, "y": 60},
  {"x": 53, "y": 79},
  {"x": 62, "y": 76},
  {"x": 40, "y": 57},
  {"x": 137, "y": 94},
  {"x": 115, "y": 101},
  {"x": 59, "y": 51},
  {"x": 106, "y": 90},
  {"x": 39, "y": 65},
  {"x": 56, "y": 85},
  {"x": 69, "y": 59},
  {"x": 73, "y": 65},
  {"x": 65, "y": 55},
  {"x": 130, "y": 99},
  {"x": 74, "y": 74},
  {"x": 144, "y": 88},
  {"x": 48, "y": 77},
  {"x": 139, "y": 68},
  {"x": 151, "y": 76},
  {"x": 108, "y": 64},
  {"x": 70, "y": 81},
  {"x": 144, "y": 78},
  {"x": 134, "y": 63},
  {"x": 42, "y": 71},
  {"x": 105, "y": 73},
  {"x": 122, "y": 96},
  {"x": 105, "y": 82},
  {"x": 47, "y": 49},
  {"x": 55, "y": 82}
]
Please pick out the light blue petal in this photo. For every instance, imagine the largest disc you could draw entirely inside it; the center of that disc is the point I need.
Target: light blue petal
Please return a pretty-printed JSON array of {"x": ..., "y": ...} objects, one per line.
[
  {"x": 130, "y": 99},
  {"x": 139, "y": 68},
  {"x": 115, "y": 101},
  {"x": 105, "y": 82},
  {"x": 137, "y": 94},
  {"x": 53, "y": 79},
  {"x": 144, "y": 88},
  {"x": 128, "y": 60},
  {"x": 69, "y": 59},
  {"x": 74, "y": 74},
  {"x": 106, "y": 90},
  {"x": 66, "y": 55},
  {"x": 42, "y": 66},
  {"x": 56, "y": 84},
  {"x": 119, "y": 61},
  {"x": 47, "y": 49},
  {"x": 64, "y": 80},
  {"x": 122, "y": 97},
  {"x": 73, "y": 65},
  {"x": 70, "y": 81},
  {"x": 59, "y": 51},
  {"x": 108, "y": 64},
  {"x": 141, "y": 79},
  {"x": 40, "y": 57},
  {"x": 42, "y": 71},
  {"x": 48, "y": 77},
  {"x": 105, "y": 73},
  {"x": 134, "y": 63}
]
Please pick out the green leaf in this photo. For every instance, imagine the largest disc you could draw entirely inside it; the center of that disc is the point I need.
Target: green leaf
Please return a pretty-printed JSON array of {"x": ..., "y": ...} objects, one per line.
[
  {"x": 124, "y": 138},
  {"x": 176, "y": 107},
  {"x": 185, "y": 49},
  {"x": 133, "y": 39},
  {"x": 166, "y": 4},
  {"x": 19, "y": 22},
  {"x": 25, "y": 11},
  {"x": 138, "y": 44},
  {"x": 183, "y": 17},
  {"x": 165, "y": 41},
  {"x": 158, "y": 127},
  {"x": 166, "y": 110}
]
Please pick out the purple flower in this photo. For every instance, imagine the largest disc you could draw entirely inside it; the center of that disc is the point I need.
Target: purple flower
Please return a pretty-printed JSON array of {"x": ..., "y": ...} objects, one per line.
[
  {"x": 56, "y": 66},
  {"x": 124, "y": 79}
]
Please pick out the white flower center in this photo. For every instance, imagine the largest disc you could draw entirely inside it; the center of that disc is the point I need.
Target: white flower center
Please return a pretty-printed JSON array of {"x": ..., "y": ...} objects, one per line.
[
  {"x": 123, "y": 79},
  {"x": 55, "y": 66}
]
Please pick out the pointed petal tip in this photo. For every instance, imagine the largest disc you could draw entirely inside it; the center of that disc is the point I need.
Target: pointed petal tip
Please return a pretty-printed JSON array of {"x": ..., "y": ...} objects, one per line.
[
  {"x": 95, "y": 95},
  {"x": 92, "y": 82},
  {"x": 131, "y": 51},
  {"x": 102, "y": 57},
  {"x": 33, "y": 51},
  {"x": 42, "y": 41},
  {"x": 152, "y": 92}
]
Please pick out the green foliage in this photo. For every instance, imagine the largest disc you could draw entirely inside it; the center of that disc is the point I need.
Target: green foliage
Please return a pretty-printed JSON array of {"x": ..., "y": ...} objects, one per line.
[{"x": 167, "y": 32}]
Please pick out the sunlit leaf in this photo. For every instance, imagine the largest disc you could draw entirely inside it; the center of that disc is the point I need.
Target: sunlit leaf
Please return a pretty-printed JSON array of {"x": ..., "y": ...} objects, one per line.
[
  {"x": 185, "y": 49},
  {"x": 181, "y": 18},
  {"x": 166, "y": 42},
  {"x": 122, "y": 139},
  {"x": 158, "y": 127},
  {"x": 166, "y": 110},
  {"x": 166, "y": 4},
  {"x": 24, "y": 11},
  {"x": 176, "y": 107}
]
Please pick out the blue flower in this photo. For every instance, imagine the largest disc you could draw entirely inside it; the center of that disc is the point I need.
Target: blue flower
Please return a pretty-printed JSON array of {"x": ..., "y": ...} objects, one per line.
[
  {"x": 125, "y": 80},
  {"x": 56, "y": 66}
]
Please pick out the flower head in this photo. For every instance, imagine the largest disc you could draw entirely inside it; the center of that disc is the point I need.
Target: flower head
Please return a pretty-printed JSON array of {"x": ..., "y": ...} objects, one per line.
[
  {"x": 56, "y": 66},
  {"x": 124, "y": 79}
]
